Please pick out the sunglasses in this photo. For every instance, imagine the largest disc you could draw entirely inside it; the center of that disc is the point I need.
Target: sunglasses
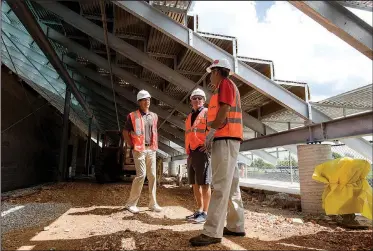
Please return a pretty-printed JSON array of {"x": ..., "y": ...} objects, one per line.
[{"x": 197, "y": 98}]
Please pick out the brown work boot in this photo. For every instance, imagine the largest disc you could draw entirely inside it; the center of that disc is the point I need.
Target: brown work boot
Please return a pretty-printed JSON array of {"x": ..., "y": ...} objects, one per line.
[
  {"x": 204, "y": 240},
  {"x": 228, "y": 232}
]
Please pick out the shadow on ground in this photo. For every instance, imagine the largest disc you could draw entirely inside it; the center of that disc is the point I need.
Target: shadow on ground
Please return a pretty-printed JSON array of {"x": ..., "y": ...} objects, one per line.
[{"x": 164, "y": 239}]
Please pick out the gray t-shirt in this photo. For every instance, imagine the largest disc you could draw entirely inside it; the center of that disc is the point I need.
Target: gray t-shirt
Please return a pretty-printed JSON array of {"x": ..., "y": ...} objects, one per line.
[{"x": 148, "y": 124}]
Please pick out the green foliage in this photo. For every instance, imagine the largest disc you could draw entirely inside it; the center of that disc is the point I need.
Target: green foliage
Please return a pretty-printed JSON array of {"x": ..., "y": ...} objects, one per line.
[
  {"x": 285, "y": 162},
  {"x": 260, "y": 163},
  {"x": 336, "y": 155}
]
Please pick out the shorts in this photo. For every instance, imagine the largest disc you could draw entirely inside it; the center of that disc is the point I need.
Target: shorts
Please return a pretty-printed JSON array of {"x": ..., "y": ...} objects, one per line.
[{"x": 199, "y": 168}]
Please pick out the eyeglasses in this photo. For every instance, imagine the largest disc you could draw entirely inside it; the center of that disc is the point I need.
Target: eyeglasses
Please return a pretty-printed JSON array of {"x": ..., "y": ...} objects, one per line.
[{"x": 197, "y": 98}]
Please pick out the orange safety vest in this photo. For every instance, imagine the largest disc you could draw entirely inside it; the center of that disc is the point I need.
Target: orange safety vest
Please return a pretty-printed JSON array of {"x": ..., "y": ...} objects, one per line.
[
  {"x": 138, "y": 133},
  {"x": 195, "y": 134},
  {"x": 232, "y": 127}
]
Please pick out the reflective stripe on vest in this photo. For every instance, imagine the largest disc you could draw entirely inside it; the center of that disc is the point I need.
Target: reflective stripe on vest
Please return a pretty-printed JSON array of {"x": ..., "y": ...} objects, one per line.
[
  {"x": 195, "y": 134},
  {"x": 138, "y": 133},
  {"x": 233, "y": 124}
]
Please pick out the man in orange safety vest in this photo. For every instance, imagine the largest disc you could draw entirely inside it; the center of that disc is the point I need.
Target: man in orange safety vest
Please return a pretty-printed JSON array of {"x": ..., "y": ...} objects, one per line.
[
  {"x": 224, "y": 122},
  {"x": 140, "y": 133},
  {"x": 198, "y": 164}
]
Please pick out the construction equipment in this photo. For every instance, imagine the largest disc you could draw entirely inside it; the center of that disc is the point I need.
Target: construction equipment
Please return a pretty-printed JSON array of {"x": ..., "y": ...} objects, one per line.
[{"x": 115, "y": 159}]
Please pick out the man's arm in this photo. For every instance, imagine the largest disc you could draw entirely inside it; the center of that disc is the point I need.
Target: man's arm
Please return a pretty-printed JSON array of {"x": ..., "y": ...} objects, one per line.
[
  {"x": 221, "y": 116},
  {"x": 126, "y": 131},
  {"x": 127, "y": 138}
]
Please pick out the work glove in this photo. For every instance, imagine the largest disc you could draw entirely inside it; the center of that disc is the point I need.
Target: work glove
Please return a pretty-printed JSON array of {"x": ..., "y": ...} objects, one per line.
[{"x": 208, "y": 141}]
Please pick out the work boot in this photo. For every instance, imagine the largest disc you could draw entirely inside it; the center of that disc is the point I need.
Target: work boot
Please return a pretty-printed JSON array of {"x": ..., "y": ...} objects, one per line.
[
  {"x": 204, "y": 240},
  {"x": 132, "y": 209},
  {"x": 228, "y": 232},
  {"x": 155, "y": 208},
  {"x": 201, "y": 218}
]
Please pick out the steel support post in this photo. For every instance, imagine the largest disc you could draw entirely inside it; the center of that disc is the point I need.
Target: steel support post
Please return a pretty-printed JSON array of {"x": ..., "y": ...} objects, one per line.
[
  {"x": 88, "y": 147},
  {"x": 62, "y": 168}
]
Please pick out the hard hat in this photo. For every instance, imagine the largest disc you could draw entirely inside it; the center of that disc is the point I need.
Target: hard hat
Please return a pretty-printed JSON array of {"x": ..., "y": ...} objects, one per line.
[
  {"x": 143, "y": 94},
  {"x": 223, "y": 63},
  {"x": 198, "y": 92}
]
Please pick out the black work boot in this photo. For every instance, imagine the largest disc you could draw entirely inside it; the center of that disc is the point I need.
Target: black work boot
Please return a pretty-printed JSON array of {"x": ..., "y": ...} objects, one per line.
[
  {"x": 204, "y": 240},
  {"x": 228, "y": 232}
]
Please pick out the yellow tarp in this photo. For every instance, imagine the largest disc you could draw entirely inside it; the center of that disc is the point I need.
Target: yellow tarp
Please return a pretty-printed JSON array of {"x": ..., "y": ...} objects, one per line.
[{"x": 347, "y": 190}]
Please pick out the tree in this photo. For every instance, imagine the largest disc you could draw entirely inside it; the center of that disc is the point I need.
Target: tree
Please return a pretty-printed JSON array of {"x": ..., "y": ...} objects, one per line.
[
  {"x": 285, "y": 162},
  {"x": 336, "y": 155},
  {"x": 260, "y": 163}
]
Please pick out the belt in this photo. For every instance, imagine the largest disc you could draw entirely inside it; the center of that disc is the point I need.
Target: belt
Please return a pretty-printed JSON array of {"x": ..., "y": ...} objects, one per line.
[{"x": 147, "y": 144}]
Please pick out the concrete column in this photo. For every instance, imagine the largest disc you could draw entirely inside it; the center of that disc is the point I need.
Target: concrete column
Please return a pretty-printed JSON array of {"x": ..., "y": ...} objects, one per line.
[
  {"x": 309, "y": 156},
  {"x": 173, "y": 169}
]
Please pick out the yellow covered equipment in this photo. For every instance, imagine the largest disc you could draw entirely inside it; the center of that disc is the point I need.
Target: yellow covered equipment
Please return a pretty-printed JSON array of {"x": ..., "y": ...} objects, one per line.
[{"x": 347, "y": 190}]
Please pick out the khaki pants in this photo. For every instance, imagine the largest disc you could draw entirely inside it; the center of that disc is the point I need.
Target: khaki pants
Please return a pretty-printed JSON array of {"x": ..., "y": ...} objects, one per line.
[
  {"x": 145, "y": 164},
  {"x": 226, "y": 199}
]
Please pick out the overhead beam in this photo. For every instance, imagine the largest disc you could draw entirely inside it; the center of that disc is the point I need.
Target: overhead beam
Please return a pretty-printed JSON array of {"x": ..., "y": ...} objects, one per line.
[
  {"x": 245, "y": 73},
  {"x": 101, "y": 62},
  {"x": 361, "y": 5},
  {"x": 25, "y": 16},
  {"x": 141, "y": 58},
  {"x": 210, "y": 52},
  {"x": 353, "y": 126},
  {"x": 341, "y": 22}
]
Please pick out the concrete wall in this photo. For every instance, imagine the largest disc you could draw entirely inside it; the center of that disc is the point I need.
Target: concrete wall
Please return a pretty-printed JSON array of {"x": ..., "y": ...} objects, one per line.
[{"x": 30, "y": 149}]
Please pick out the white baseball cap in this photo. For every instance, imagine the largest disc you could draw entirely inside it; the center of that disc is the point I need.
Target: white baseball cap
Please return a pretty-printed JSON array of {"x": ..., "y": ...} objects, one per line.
[
  {"x": 223, "y": 63},
  {"x": 143, "y": 94}
]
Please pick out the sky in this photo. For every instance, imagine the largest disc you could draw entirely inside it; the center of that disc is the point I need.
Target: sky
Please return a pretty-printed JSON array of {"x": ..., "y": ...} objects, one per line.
[{"x": 301, "y": 49}]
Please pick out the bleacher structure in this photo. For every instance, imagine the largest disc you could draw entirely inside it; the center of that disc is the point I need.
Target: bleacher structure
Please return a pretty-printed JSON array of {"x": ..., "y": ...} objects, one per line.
[{"x": 92, "y": 49}]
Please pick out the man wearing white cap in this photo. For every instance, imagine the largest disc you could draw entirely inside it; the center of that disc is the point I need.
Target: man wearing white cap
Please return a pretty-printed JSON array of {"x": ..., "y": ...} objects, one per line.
[
  {"x": 224, "y": 122},
  {"x": 198, "y": 164},
  {"x": 140, "y": 133}
]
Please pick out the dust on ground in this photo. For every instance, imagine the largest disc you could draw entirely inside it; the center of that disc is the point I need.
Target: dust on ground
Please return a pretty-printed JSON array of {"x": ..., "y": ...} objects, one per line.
[{"x": 96, "y": 220}]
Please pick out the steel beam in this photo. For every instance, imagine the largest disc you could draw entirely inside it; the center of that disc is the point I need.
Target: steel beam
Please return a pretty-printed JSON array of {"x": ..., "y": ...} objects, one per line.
[
  {"x": 25, "y": 16},
  {"x": 353, "y": 126},
  {"x": 62, "y": 167},
  {"x": 248, "y": 120},
  {"x": 361, "y": 5},
  {"x": 246, "y": 74},
  {"x": 98, "y": 34},
  {"x": 137, "y": 56},
  {"x": 210, "y": 52},
  {"x": 341, "y": 22}
]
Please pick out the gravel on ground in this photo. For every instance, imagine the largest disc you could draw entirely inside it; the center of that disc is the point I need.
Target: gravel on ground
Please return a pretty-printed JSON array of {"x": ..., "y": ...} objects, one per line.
[{"x": 95, "y": 220}]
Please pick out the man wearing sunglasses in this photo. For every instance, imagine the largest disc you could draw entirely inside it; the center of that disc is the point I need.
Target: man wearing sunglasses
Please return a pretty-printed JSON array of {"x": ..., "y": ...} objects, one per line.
[
  {"x": 224, "y": 122},
  {"x": 198, "y": 164},
  {"x": 140, "y": 133}
]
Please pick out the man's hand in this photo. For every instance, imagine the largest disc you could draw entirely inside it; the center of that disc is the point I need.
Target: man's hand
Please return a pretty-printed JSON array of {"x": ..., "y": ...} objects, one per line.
[{"x": 208, "y": 141}]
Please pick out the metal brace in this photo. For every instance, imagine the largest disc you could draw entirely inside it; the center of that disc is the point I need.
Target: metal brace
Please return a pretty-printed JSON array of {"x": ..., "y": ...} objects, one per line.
[
  {"x": 234, "y": 48},
  {"x": 190, "y": 37}
]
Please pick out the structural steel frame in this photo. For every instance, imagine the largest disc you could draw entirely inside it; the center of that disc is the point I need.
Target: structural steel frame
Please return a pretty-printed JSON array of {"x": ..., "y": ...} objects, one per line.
[
  {"x": 353, "y": 126},
  {"x": 340, "y": 21}
]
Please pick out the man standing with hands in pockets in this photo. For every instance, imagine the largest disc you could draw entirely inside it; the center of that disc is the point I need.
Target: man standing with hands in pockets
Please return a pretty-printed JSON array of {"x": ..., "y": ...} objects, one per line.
[
  {"x": 199, "y": 170},
  {"x": 140, "y": 132},
  {"x": 224, "y": 122}
]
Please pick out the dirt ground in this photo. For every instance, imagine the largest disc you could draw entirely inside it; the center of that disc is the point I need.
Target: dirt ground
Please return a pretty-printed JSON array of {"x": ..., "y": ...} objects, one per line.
[{"x": 97, "y": 221}]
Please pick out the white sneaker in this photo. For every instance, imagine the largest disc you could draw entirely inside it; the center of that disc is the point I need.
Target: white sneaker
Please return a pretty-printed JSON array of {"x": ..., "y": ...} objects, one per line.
[
  {"x": 156, "y": 208},
  {"x": 133, "y": 209}
]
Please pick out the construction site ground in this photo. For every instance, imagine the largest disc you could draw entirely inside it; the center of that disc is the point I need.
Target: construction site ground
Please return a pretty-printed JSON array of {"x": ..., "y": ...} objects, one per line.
[{"x": 83, "y": 215}]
